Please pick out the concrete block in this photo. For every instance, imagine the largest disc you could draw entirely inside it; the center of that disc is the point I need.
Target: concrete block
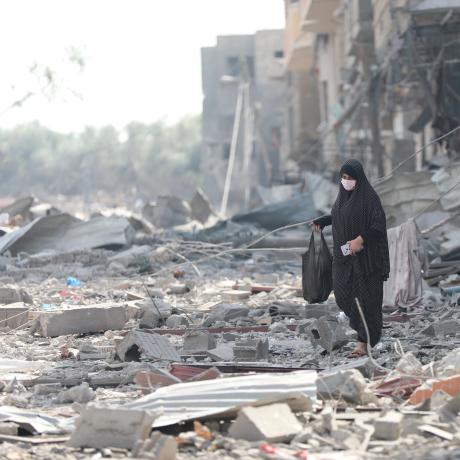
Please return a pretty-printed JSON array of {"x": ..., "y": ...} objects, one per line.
[
  {"x": 388, "y": 427},
  {"x": 273, "y": 423},
  {"x": 13, "y": 316},
  {"x": 102, "y": 427},
  {"x": 226, "y": 312},
  {"x": 158, "y": 447},
  {"x": 222, "y": 353},
  {"x": 251, "y": 350},
  {"x": 198, "y": 342},
  {"x": 138, "y": 344},
  {"x": 328, "y": 333},
  {"x": 347, "y": 385},
  {"x": 82, "y": 320},
  {"x": 316, "y": 311},
  {"x": 235, "y": 295}
]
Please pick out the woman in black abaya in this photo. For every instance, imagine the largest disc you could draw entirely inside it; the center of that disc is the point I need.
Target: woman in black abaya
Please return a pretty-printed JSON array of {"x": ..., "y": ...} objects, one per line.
[{"x": 358, "y": 219}]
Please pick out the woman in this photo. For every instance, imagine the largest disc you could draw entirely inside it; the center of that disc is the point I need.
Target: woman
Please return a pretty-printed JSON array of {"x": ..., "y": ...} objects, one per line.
[{"x": 359, "y": 230}]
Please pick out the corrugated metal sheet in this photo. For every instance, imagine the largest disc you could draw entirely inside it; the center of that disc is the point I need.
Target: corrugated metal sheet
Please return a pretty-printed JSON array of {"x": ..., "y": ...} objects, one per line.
[{"x": 196, "y": 400}]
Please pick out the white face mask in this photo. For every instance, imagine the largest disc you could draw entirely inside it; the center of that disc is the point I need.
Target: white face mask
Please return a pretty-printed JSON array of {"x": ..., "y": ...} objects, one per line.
[{"x": 348, "y": 185}]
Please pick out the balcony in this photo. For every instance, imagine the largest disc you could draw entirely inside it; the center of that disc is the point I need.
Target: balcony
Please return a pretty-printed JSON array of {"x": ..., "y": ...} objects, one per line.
[
  {"x": 317, "y": 16},
  {"x": 298, "y": 45}
]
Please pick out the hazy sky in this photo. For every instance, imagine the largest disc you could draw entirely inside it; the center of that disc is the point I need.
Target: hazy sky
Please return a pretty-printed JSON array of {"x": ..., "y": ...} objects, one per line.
[{"x": 142, "y": 56}]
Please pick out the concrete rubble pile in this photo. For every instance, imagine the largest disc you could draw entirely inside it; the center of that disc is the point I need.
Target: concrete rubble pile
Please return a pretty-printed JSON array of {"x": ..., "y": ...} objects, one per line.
[{"x": 160, "y": 347}]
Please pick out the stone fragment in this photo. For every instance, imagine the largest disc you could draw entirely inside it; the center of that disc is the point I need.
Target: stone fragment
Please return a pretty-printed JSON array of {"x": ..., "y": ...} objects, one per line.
[
  {"x": 13, "y": 316},
  {"x": 176, "y": 321},
  {"x": 82, "y": 320},
  {"x": 442, "y": 328},
  {"x": 139, "y": 344},
  {"x": 92, "y": 352},
  {"x": 273, "y": 423},
  {"x": 198, "y": 342},
  {"x": 388, "y": 427},
  {"x": 235, "y": 295},
  {"x": 102, "y": 427},
  {"x": 328, "y": 333},
  {"x": 278, "y": 328},
  {"x": 251, "y": 350},
  {"x": 316, "y": 311},
  {"x": 347, "y": 385},
  {"x": 44, "y": 389},
  {"x": 81, "y": 394},
  {"x": 158, "y": 447},
  {"x": 221, "y": 353},
  {"x": 200, "y": 207},
  {"x": 154, "y": 312},
  {"x": 226, "y": 312},
  {"x": 9, "y": 295}
]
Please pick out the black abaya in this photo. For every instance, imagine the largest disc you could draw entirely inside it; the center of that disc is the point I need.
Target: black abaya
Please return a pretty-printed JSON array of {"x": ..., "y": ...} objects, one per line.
[{"x": 359, "y": 213}]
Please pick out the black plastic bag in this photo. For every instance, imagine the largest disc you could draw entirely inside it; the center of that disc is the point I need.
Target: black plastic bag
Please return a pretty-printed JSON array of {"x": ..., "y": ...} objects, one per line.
[{"x": 317, "y": 272}]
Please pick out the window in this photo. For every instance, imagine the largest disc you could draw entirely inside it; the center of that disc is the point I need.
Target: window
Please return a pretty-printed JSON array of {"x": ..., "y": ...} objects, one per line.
[
  {"x": 278, "y": 54},
  {"x": 233, "y": 66}
]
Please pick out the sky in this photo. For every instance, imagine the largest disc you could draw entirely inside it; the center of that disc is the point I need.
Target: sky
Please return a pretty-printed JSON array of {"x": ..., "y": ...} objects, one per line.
[{"x": 142, "y": 57}]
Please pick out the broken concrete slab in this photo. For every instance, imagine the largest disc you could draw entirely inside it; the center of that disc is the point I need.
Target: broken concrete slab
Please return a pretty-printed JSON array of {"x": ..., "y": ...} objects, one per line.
[
  {"x": 137, "y": 345},
  {"x": 200, "y": 207},
  {"x": 10, "y": 295},
  {"x": 14, "y": 316},
  {"x": 251, "y": 350},
  {"x": 316, "y": 311},
  {"x": 226, "y": 312},
  {"x": 388, "y": 427},
  {"x": 198, "y": 342},
  {"x": 101, "y": 427},
  {"x": 82, "y": 320},
  {"x": 273, "y": 423}
]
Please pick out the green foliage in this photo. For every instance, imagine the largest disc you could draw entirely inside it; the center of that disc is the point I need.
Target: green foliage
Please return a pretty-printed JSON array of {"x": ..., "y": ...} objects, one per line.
[{"x": 143, "y": 160}]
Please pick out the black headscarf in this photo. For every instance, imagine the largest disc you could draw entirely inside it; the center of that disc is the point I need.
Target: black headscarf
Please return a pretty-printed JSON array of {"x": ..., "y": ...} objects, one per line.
[{"x": 356, "y": 213}]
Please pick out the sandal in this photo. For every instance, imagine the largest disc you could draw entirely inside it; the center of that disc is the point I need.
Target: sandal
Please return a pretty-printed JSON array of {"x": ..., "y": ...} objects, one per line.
[{"x": 357, "y": 354}]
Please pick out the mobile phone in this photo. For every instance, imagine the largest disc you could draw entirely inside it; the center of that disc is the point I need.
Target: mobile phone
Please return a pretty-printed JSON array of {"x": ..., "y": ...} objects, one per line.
[{"x": 346, "y": 249}]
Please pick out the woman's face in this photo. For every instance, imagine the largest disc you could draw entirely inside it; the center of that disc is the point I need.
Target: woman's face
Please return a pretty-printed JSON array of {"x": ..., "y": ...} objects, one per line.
[{"x": 346, "y": 177}]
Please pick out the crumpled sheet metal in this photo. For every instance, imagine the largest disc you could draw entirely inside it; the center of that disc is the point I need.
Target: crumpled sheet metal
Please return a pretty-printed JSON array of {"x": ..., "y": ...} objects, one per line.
[
  {"x": 64, "y": 233},
  {"x": 33, "y": 422},
  {"x": 407, "y": 260},
  {"x": 224, "y": 397}
]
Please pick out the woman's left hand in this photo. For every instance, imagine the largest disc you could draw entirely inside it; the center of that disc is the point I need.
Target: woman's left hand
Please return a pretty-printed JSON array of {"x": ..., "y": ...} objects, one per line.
[{"x": 356, "y": 245}]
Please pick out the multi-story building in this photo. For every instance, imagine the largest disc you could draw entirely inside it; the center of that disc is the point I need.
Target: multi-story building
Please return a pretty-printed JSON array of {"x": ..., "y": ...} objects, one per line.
[
  {"x": 387, "y": 76},
  {"x": 254, "y": 62}
]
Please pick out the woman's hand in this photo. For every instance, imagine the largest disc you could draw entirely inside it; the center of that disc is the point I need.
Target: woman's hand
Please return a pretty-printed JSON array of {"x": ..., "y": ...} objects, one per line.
[
  {"x": 356, "y": 245},
  {"x": 316, "y": 227}
]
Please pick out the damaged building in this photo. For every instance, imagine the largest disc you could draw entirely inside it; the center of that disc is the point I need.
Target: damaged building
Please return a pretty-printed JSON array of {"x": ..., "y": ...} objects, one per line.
[{"x": 387, "y": 78}]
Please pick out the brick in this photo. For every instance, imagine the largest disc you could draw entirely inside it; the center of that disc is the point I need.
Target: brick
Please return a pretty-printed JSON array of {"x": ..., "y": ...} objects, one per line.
[
  {"x": 328, "y": 333},
  {"x": 449, "y": 385},
  {"x": 273, "y": 423},
  {"x": 82, "y": 320}
]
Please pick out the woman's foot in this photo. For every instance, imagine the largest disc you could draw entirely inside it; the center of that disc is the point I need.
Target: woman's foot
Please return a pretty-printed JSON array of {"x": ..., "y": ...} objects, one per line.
[{"x": 359, "y": 351}]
